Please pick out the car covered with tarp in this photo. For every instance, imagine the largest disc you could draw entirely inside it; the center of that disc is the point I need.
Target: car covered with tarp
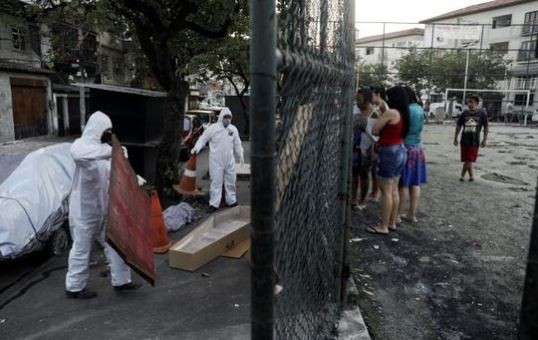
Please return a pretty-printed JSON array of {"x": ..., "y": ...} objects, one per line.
[{"x": 34, "y": 203}]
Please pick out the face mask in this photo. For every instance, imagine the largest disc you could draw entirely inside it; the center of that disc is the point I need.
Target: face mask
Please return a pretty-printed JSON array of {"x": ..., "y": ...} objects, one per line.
[
  {"x": 106, "y": 137},
  {"x": 226, "y": 121}
]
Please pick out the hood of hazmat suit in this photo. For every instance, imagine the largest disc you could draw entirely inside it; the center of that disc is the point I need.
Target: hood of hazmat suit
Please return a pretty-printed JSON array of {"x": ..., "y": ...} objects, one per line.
[
  {"x": 89, "y": 195},
  {"x": 223, "y": 142}
]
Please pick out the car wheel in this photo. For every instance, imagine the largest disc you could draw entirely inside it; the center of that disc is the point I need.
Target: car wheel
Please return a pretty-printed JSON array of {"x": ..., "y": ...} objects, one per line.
[{"x": 59, "y": 242}]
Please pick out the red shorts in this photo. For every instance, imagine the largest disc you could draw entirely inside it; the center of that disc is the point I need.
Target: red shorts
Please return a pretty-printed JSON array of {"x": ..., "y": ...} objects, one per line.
[{"x": 468, "y": 153}]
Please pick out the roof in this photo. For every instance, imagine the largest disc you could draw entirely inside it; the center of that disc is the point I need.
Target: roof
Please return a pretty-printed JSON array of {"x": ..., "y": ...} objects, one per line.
[
  {"x": 393, "y": 35},
  {"x": 13, "y": 7},
  {"x": 20, "y": 67},
  {"x": 483, "y": 7},
  {"x": 123, "y": 89}
]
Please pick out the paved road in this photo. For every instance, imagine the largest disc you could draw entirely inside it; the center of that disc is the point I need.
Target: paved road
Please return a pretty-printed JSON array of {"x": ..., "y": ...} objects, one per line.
[
  {"x": 459, "y": 272},
  {"x": 182, "y": 305}
]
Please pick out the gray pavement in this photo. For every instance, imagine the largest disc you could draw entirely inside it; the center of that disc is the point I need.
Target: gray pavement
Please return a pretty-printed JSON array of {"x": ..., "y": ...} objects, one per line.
[{"x": 182, "y": 305}]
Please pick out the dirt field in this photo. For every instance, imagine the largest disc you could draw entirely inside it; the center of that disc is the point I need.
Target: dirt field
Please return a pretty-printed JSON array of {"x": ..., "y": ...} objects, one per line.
[{"x": 459, "y": 272}]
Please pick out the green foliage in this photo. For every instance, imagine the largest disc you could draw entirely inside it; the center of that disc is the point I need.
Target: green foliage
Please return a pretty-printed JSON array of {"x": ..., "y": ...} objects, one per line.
[
  {"x": 373, "y": 74},
  {"x": 228, "y": 59},
  {"x": 446, "y": 69}
]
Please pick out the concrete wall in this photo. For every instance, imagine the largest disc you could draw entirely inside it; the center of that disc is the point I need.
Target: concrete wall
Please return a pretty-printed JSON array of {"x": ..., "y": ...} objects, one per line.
[{"x": 7, "y": 127}]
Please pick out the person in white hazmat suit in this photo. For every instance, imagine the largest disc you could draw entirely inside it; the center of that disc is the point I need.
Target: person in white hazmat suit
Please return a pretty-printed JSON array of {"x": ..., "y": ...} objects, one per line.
[
  {"x": 224, "y": 141},
  {"x": 88, "y": 206}
]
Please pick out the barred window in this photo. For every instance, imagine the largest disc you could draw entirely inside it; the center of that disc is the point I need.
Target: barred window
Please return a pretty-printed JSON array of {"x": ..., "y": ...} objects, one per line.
[
  {"x": 18, "y": 38},
  {"x": 502, "y": 21}
]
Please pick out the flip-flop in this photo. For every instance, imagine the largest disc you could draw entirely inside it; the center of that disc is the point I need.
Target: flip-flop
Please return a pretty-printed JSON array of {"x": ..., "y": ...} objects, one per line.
[
  {"x": 373, "y": 230},
  {"x": 407, "y": 219},
  {"x": 393, "y": 228}
]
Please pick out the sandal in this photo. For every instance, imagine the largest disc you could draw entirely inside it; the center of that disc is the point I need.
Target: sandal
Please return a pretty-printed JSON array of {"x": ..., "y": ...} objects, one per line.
[{"x": 373, "y": 230}]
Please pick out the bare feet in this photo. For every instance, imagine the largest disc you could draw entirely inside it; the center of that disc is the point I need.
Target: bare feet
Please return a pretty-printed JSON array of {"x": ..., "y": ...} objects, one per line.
[{"x": 408, "y": 219}]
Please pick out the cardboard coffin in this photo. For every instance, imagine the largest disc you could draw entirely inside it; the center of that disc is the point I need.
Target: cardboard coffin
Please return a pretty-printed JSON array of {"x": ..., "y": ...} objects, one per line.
[{"x": 213, "y": 237}]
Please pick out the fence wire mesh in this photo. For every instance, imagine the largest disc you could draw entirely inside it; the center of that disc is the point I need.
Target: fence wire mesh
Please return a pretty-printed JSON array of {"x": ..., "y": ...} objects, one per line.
[
  {"x": 432, "y": 57},
  {"x": 316, "y": 74}
]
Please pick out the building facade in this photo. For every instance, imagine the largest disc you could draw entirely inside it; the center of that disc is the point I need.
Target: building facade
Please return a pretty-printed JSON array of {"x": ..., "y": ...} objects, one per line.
[
  {"x": 507, "y": 26},
  {"x": 25, "y": 87},
  {"x": 387, "y": 49}
]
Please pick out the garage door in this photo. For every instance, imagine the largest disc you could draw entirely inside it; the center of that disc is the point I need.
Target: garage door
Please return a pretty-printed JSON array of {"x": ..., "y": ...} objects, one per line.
[{"x": 29, "y": 98}]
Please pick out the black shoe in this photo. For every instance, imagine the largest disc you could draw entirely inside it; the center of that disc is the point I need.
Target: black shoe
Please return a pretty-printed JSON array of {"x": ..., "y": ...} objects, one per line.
[
  {"x": 471, "y": 179},
  {"x": 127, "y": 286},
  {"x": 83, "y": 294},
  {"x": 461, "y": 179},
  {"x": 212, "y": 209},
  {"x": 232, "y": 205}
]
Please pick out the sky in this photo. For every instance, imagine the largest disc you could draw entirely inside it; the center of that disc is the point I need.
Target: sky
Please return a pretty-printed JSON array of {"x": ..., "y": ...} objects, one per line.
[{"x": 409, "y": 11}]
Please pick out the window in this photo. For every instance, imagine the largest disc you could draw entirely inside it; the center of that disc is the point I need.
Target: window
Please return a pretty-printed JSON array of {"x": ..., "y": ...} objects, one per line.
[
  {"x": 531, "y": 23},
  {"x": 502, "y": 21},
  {"x": 526, "y": 83},
  {"x": 521, "y": 99},
  {"x": 369, "y": 50},
  {"x": 118, "y": 67},
  {"x": 105, "y": 68},
  {"x": 18, "y": 38},
  {"x": 499, "y": 47},
  {"x": 526, "y": 52}
]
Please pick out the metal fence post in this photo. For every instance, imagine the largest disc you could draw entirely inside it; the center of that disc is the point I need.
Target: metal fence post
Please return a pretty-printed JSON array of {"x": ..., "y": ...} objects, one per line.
[
  {"x": 528, "y": 327},
  {"x": 263, "y": 94},
  {"x": 345, "y": 156}
]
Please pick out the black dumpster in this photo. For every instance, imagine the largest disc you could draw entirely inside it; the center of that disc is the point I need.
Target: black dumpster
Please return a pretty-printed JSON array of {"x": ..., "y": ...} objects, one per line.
[{"x": 137, "y": 119}]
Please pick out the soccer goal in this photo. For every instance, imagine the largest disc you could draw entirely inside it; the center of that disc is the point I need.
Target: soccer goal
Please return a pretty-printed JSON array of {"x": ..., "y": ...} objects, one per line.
[{"x": 500, "y": 107}]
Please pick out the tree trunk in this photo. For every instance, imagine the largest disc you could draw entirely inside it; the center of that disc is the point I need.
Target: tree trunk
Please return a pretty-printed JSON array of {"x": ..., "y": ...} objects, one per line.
[{"x": 168, "y": 156}]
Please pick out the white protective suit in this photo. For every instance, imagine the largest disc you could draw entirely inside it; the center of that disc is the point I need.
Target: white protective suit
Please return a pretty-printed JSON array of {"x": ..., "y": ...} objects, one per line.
[
  {"x": 223, "y": 142},
  {"x": 88, "y": 205}
]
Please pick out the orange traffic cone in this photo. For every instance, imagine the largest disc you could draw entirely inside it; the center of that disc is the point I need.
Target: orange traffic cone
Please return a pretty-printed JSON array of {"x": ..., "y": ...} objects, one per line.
[
  {"x": 159, "y": 235},
  {"x": 187, "y": 186}
]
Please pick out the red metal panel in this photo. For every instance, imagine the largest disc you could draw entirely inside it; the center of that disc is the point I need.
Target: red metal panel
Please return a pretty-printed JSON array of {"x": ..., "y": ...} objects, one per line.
[{"x": 129, "y": 221}]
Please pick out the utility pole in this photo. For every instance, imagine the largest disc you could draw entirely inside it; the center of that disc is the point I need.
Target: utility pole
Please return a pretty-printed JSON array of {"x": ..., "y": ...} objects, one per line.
[{"x": 81, "y": 90}]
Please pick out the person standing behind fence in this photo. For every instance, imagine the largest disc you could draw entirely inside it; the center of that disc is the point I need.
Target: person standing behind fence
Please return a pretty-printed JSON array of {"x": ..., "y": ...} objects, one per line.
[
  {"x": 414, "y": 171},
  {"x": 392, "y": 127},
  {"x": 356, "y": 160},
  {"x": 368, "y": 117},
  {"x": 471, "y": 122}
]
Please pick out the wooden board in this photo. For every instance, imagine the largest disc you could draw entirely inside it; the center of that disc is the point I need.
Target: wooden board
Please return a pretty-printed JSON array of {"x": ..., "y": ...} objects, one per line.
[
  {"x": 238, "y": 251},
  {"x": 129, "y": 221}
]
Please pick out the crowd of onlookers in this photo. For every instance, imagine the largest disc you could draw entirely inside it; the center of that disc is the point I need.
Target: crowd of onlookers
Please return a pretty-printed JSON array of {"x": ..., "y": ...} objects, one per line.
[
  {"x": 388, "y": 154},
  {"x": 389, "y": 165}
]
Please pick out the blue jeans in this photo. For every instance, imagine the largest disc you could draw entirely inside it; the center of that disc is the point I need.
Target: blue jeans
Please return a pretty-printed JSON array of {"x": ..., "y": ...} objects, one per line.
[{"x": 391, "y": 161}]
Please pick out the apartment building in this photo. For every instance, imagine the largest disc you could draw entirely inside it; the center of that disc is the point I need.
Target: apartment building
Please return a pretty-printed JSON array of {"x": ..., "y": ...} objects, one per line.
[
  {"x": 25, "y": 87},
  {"x": 386, "y": 49},
  {"x": 507, "y": 26}
]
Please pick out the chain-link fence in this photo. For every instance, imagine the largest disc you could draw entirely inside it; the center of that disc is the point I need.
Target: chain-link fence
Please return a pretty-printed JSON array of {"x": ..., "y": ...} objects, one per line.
[
  {"x": 446, "y": 61},
  {"x": 315, "y": 96}
]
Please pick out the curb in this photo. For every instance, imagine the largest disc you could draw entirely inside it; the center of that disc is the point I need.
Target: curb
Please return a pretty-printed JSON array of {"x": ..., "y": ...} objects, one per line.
[{"x": 351, "y": 325}]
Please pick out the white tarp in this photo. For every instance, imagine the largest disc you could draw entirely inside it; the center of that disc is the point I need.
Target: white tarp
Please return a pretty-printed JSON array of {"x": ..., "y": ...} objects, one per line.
[{"x": 34, "y": 199}]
